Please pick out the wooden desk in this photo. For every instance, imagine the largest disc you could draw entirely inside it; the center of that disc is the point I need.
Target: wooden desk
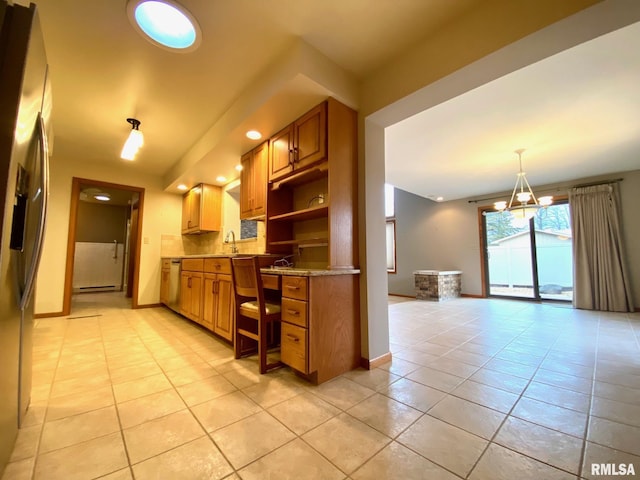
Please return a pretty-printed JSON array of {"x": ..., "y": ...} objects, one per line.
[{"x": 320, "y": 328}]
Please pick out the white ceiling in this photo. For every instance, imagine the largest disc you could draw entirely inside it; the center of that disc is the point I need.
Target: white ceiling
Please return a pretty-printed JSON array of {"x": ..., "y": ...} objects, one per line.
[
  {"x": 103, "y": 71},
  {"x": 576, "y": 113}
]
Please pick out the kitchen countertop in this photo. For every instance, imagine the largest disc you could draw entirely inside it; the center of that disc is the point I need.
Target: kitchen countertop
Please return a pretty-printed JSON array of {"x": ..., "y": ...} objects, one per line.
[
  {"x": 308, "y": 272},
  {"x": 300, "y": 272}
]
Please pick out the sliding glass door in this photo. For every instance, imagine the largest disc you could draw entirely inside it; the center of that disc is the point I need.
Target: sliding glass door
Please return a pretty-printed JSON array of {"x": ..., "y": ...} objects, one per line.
[{"x": 532, "y": 261}]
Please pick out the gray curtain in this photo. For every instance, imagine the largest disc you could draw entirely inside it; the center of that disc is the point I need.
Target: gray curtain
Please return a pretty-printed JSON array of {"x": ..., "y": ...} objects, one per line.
[{"x": 600, "y": 280}]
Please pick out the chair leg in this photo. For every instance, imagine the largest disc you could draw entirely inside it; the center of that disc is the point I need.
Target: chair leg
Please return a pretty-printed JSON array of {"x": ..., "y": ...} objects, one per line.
[
  {"x": 262, "y": 346},
  {"x": 237, "y": 344}
]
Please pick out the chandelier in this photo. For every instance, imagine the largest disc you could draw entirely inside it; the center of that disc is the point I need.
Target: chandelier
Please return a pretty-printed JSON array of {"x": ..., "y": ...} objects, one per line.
[{"x": 527, "y": 204}]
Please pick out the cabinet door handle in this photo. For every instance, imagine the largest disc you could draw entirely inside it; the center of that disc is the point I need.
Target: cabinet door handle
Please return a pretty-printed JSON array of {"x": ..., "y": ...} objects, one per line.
[
  {"x": 293, "y": 312},
  {"x": 293, "y": 338},
  {"x": 189, "y": 282}
]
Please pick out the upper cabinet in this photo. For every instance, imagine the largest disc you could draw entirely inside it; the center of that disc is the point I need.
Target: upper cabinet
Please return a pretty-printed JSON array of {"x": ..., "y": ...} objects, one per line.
[
  {"x": 201, "y": 209},
  {"x": 300, "y": 144},
  {"x": 312, "y": 199},
  {"x": 253, "y": 182}
]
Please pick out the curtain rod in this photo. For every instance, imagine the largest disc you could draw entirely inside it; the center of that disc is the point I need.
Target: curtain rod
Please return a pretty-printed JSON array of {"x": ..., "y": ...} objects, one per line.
[
  {"x": 602, "y": 182},
  {"x": 556, "y": 187}
]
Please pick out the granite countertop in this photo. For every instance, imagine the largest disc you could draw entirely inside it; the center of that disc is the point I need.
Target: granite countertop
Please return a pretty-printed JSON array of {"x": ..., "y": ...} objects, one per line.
[
  {"x": 219, "y": 255},
  {"x": 308, "y": 272},
  {"x": 437, "y": 272}
]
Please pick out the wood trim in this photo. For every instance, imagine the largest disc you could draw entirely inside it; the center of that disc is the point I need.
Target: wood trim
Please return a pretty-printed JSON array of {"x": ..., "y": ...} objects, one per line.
[
  {"x": 483, "y": 271},
  {"x": 392, "y": 221},
  {"x": 401, "y": 295},
  {"x": 471, "y": 295},
  {"x": 376, "y": 362},
  {"x": 48, "y": 315},
  {"x": 71, "y": 246},
  {"x": 149, "y": 305}
]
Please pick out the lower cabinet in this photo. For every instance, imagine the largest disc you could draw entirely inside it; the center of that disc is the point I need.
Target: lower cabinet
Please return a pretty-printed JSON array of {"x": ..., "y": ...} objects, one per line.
[
  {"x": 191, "y": 295},
  {"x": 218, "y": 304},
  {"x": 320, "y": 330}
]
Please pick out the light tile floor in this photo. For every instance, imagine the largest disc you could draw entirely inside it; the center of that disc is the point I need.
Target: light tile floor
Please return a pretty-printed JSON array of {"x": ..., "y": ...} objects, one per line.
[{"x": 478, "y": 389}]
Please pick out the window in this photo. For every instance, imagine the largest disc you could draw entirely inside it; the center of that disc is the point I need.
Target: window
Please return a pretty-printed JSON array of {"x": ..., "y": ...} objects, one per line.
[
  {"x": 389, "y": 211},
  {"x": 532, "y": 261}
]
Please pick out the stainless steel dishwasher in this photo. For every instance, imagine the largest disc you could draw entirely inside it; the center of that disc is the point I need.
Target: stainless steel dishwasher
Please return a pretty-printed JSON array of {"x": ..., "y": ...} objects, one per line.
[{"x": 174, "y": 285}]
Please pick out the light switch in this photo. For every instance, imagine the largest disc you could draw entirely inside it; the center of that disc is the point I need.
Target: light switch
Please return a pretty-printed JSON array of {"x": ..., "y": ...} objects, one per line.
[{"x": 146, "y": 240}]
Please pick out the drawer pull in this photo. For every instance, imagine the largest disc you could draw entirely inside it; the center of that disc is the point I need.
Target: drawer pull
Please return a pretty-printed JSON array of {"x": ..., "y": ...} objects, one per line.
[
  {"x": 218, "y": 266},
  {"x": 293, "y": 287},
  {"x": 292, "y": 312},
  {"x": 293, "y": 338}
]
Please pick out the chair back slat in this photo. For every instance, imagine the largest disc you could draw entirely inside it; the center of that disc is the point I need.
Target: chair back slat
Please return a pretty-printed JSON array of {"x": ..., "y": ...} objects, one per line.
[{"x": 247, "y": 281}]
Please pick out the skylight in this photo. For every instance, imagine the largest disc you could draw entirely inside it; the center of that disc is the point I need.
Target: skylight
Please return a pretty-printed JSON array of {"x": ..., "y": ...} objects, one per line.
[{"x": 165, "y": 23}]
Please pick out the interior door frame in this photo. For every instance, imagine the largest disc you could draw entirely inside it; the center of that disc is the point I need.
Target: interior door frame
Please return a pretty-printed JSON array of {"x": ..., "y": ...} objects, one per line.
[{"x": 71, "y": 237}]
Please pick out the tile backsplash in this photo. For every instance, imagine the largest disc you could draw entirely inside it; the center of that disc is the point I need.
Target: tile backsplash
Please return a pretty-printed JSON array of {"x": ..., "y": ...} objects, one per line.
[{"x": 209, "y": 243}]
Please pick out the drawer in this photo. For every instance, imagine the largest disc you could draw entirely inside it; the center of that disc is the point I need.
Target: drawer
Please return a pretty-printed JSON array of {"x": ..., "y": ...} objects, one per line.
[
  {"x": 294, "y": 287},
  {"x": 166, "y": 263},
  {"x": 193, "y": 264},
  {"x": 294, "y": 311},
  {"x": 272, "y": 282},
  {"x": 293, "y": 347},
  {"x": 217, "y": 265}
]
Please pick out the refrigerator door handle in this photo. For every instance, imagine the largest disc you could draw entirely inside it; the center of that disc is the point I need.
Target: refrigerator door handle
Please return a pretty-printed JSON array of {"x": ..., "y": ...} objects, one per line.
[{"x": 43, "y": 189}]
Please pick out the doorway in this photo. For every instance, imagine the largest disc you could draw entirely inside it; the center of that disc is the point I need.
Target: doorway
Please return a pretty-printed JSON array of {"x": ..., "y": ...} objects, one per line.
[
  {"x": 103, "y": 242},
  {"x": 533, "y": 260}
]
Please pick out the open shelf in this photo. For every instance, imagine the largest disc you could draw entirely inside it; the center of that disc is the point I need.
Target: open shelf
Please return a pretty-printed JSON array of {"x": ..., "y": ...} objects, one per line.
[
  {"x": 304, "y": 242},
  {"x": 318, "y": 211}
]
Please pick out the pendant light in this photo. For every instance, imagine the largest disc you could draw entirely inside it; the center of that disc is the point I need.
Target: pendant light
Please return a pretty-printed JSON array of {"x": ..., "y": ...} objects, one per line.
[
  {"x": 134, "y": 142},
  {"x": 528, "y": 203}
]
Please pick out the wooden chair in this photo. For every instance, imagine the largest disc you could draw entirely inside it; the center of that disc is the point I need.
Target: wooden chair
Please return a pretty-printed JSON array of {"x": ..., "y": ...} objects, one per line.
[{"x": 255, "y": 317}]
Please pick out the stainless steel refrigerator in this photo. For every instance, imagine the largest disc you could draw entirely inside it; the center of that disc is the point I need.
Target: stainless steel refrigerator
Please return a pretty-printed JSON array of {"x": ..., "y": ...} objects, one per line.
[{"x": 24, "y": 113}]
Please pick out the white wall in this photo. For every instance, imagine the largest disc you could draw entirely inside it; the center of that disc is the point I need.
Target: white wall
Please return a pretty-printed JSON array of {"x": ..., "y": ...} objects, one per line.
[
  {"x": 446, "y": 236},
  {"x": 161, "y": 215}
]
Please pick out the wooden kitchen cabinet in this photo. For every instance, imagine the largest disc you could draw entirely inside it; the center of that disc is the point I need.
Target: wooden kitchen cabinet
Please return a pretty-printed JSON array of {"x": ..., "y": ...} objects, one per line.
[
  {"x": 202, "y": 209},
  {"x": 164, "y": 281},
  {"x": 312, "y": 208},
  {"x": 253, "y": 182},
  {"x": 320, "y": 334},
  {"x": 299, "y": 145},
  {"x": 218, "y": 303},
  {"x": 191, "y": 295}
]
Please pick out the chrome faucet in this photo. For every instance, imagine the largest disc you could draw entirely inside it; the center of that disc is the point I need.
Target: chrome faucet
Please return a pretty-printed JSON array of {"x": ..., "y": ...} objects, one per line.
[{"x": 234, "y": 248}]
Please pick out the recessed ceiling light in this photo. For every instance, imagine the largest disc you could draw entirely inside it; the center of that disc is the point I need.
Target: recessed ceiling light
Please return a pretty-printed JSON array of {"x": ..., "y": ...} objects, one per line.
[
  {"x": 254, "y": 135},
  {"x": 103, "y": 197},
  {"x": 182, "y": 187},
  {"x": 221, "y": 178},
  {"x": 239, "y": 167},
  {"x": 165, "y": 23}
]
